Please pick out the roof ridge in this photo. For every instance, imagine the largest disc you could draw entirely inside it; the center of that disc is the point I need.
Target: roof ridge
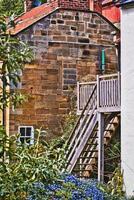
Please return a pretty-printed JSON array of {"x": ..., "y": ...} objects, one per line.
[
  {"x": 36, "y": 14},
  {"x": 30, "y": 17}
]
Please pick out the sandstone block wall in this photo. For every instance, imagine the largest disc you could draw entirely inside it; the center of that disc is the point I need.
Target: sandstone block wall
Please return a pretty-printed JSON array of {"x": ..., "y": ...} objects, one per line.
[{"x": 66, "y": 47}]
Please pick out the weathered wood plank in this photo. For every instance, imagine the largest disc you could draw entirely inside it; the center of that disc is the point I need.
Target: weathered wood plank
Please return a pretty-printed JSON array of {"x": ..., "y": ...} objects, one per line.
[
  {"x": 82, "y": 143},
  {"x": 101, "y": 147}
]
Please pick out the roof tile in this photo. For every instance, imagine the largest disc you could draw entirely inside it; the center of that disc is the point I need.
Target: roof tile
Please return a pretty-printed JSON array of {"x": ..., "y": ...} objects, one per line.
[{"x": 32, "y": 16}]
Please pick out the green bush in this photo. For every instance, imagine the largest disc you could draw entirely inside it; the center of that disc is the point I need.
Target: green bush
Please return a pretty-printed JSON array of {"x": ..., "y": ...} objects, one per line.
[
  {"x": 23, "y": 165},
  {"x": 114, "y": 188}
]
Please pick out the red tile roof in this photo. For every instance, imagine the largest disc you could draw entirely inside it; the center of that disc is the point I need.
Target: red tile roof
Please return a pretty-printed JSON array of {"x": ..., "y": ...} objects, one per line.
[{"x": 32, "y": 16}]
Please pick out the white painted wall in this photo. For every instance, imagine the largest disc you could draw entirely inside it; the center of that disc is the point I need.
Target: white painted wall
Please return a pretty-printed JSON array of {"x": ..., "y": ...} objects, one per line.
[{"x": 127, "y": 98}]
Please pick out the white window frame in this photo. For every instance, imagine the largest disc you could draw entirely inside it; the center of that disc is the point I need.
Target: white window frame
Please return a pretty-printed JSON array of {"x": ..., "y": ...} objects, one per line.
[{"x": 31, "y": 137}]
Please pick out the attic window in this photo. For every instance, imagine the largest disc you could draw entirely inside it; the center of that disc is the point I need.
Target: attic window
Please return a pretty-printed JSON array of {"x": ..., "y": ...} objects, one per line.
[{"x": 26, "y": 134}]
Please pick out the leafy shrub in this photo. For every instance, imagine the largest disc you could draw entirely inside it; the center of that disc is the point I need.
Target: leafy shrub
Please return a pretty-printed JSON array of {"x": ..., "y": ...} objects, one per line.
[
  {"x": 34, "y": 173},
  {"x": 21, "y": 165},
  {"x": 131, "y": 198},
  {"x": 114, "y": 188}
]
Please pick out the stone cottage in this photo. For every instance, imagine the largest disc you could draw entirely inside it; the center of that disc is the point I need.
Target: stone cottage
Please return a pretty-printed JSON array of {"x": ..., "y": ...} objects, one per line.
[{"x": 67, "y": 40}]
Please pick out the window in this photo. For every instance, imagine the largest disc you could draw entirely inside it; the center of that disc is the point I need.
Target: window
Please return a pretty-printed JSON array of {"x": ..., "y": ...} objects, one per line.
[
  {"x": 19, "y": 84},
  {"x": 26, "y": 134}
]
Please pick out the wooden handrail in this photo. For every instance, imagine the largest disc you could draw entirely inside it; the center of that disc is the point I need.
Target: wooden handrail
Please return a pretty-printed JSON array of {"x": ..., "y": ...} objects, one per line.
[
  {"x": 108, "y": 93},
  {"x": 108, "y": 75},
  {"x": 82, "y": 132},
  {"x": 87, "y": 83},
  {"x": 78, "y": 121},
  {"x": 100, "y": 96}
]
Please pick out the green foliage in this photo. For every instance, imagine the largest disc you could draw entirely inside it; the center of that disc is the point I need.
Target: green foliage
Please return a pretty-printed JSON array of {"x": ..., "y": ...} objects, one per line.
[
  {"x": 43, "y": 1},
  {"x": 114, "y": 188},
  {"x": 131, "y": 198},
  {"x": 23, "y": 165},
  {"x": 13, "y": 7},
  {"x": 69, "y": 123},
  {"x": 13, "y": 56},
  {"x": 70, "y": 118},
  {"x": 9, "y": 7},
  {"x": 112, "y": 157}
]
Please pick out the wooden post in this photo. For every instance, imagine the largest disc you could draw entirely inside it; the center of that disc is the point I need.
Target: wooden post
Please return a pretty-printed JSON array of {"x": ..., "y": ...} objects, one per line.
[
  {"x": 78, "y": 97},
  {"x": 119, "y": 89},
  {"x": 98, "y": 92},
  {"x": 101, "y": 147},
  {"x": 80, "y": 168}
]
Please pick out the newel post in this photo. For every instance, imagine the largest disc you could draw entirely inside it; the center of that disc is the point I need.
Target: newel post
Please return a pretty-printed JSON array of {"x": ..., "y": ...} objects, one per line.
[
  {"x": 101, "y": 147},
  {"x": 98, "y": 92},
  {"x": 119, "y": 89},
  {"x": 78, "y": 97}
]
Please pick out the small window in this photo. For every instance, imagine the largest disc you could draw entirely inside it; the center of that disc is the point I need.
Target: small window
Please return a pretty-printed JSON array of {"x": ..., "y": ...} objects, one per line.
[
  {"x": 26, "y": 134},
  {"x": 19, "y": 84}
]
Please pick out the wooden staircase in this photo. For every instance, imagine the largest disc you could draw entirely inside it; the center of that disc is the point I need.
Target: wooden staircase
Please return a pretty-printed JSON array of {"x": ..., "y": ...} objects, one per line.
[{"x": 84, "y": 148}]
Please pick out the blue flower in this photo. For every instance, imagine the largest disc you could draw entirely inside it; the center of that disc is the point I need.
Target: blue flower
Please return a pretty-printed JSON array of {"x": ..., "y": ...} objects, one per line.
[
  {"x": 78, "y": 190},
  {"x": 53, "y": 187}
]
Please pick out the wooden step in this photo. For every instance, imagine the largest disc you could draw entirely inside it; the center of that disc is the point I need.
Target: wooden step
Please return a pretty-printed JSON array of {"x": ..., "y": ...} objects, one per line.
[
  {"x": 114, "y": 123},
  {"x": 92, "y": 144},
  {"x": 92, "y": 151},
  {"x": 93, "y": 137},
  {"x": 88, "y": 157},
  {"x": 86, "y": 164},
  {"x": 85, "y": 170},
  {"x": 110, "y": 130}
]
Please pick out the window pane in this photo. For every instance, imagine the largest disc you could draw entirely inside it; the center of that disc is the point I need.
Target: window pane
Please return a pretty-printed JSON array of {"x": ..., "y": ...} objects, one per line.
[
  {"x": 22, "y": 140},
  {"x": 26, "y": 135},
  {"x": 28, "y": 132},
  {"x": 22, "y": 131}
]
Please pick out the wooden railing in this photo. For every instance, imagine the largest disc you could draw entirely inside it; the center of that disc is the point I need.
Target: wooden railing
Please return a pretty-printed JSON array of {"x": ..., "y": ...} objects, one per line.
[
  {"x": 108, "y": 93},
  {"x": 84, "y": 90},
  {"x": 82, "y": 130}
]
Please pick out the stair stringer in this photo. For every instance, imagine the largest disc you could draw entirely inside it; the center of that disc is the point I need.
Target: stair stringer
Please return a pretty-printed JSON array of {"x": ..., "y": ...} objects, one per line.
[
  {"x": 113, "y": 125},
  {"x": 82, "y": 143}
]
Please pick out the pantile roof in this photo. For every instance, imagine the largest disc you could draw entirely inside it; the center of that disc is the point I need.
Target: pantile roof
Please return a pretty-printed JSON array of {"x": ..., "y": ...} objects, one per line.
[
  {"x": 34, "y": 15},
  {"x": 29, "y": 18}
]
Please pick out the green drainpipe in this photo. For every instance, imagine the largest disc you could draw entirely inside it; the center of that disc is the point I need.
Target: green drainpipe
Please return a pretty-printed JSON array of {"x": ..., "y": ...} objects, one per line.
[{"x": 103, "y": 60}]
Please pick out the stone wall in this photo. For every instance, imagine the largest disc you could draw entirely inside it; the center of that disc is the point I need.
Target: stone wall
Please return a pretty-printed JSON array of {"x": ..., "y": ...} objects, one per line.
[{"x": 66, "y": 47}]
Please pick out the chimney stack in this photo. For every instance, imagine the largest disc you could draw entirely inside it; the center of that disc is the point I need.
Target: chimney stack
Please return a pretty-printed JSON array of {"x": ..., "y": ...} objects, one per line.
[
  {"x": 75, "y": 4},
  {"x": 28, "y": 5},
  {"x": 67, "y": 4}
]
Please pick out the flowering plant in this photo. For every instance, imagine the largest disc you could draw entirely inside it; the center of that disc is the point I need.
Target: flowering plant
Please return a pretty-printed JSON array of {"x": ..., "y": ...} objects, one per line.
[{"x": 68, "y": 187}]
